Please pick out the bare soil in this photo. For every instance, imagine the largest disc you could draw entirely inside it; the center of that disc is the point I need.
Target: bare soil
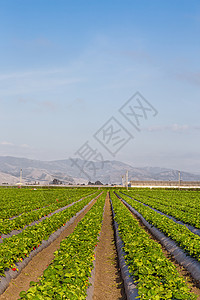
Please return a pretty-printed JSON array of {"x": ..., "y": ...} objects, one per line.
[
  {"x": 108, "y": 282},
  {"x": 39, "y": 263}
]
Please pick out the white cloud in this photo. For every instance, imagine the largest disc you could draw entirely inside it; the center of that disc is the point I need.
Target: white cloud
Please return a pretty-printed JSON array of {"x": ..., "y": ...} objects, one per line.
[
  {"x": 173, "y": 128},
  {"x": 5, "y": 143},
  {"x": 41, "y": 80},
  {"x": 38, "y": 104},
  {"x": 18, "y": 75},
  {"x": 24, "y": 146}
]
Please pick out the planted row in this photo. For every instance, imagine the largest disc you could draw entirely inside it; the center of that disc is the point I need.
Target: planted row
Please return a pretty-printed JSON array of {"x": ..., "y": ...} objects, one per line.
[
  {"x": 156, "y": 277},
  {"x": 180, "y": 199},
  {"x": 18, "y": 246},
  {"x": 16, "y": 201},
  {"x": 7, "y": 225},
  {"x": 191, "y": 217},
  {"x": 67, "y": 277},
  {"x": 187, "y": 240}
]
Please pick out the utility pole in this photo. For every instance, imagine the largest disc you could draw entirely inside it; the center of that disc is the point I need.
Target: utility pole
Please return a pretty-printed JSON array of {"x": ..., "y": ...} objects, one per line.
[
  {"x": 179, "y": 179},
  {"x": 127, "y": 180},
  {"x": 20, "y": 180}
]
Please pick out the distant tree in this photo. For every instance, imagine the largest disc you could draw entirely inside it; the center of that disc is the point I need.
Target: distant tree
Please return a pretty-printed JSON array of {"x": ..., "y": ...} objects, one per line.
[
  {"x": 98, "y": 182},
  {"x": 56, "y": 181},
  {"x": 90, "y": 183}
]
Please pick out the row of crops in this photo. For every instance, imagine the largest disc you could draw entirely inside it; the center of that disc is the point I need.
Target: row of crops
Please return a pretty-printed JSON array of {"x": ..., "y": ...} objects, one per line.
[
  {"x": 17, "y": 201},
  {"x": 155, "y": 275},
  {"x": 56, "y": 202},
  {"x": 17, "y": 247},
  {"x": 183, "y": 205},
  {"x": 187, "y": 240},
  {"x": 67, "y": 277}
]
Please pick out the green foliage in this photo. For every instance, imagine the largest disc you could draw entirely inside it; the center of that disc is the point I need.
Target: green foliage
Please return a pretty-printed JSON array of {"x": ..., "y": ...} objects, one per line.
[
  {"x": 56, "y": 200},
  {"x": 183, "y": 205},
  {"x": 67, "y": 276},
  {"x": 187, "y": 240},
  {"x": 156, "y": 277},
  {"x": 19, "y": 246}
]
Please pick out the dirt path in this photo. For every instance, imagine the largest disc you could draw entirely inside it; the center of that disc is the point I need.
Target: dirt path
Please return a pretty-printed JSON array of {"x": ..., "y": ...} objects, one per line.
[
  {"x": 108, "y": 282},
  {"x": 38, "y": 264}
]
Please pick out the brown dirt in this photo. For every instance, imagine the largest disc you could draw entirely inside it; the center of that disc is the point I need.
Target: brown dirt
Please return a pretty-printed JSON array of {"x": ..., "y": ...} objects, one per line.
[
  {"x": 108, "y": 282},
  {"x": 39, "y": 263},
  {"x": 191, "y": 283}
]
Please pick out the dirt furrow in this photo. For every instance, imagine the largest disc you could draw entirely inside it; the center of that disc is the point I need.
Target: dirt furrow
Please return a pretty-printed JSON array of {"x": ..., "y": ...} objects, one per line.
[{"x": 108, "y": 282}]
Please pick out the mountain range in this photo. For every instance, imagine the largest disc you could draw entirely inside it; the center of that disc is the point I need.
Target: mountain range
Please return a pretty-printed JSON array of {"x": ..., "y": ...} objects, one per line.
[{"x": 75, "y": 171}]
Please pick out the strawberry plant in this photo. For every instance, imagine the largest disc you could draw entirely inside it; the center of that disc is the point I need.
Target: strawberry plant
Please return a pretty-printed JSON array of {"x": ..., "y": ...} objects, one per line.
[
  {"x": 19, "y": 246},
  {"x": 67, "y": 276},
  {"x": 187, "y": 240},
  {"x": 155, "y": 275},
  {"x": 27, "y": 218},
  {"x": 161, "y": 201},
  {"x": 17, "y": 201}
]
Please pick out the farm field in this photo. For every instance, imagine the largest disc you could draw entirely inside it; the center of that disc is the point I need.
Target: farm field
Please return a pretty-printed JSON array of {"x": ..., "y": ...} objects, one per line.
[{"x": 60, "y": 243}]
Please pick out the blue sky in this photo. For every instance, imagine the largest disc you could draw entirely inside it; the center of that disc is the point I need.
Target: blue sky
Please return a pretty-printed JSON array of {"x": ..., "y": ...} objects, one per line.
[{"x": 66, "y": 67}]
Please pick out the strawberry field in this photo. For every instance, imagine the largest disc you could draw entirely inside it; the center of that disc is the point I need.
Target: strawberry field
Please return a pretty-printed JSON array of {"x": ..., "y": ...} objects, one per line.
[{"x": 33, "y": 220}]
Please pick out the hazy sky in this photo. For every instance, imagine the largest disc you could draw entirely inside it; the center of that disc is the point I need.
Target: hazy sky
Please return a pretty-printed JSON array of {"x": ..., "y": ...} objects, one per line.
[{"x": 68, "y": 66}]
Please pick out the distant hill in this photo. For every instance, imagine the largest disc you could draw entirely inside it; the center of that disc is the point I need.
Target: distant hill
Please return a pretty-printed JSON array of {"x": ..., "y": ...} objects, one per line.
[{"x": 65, "y": 171}]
